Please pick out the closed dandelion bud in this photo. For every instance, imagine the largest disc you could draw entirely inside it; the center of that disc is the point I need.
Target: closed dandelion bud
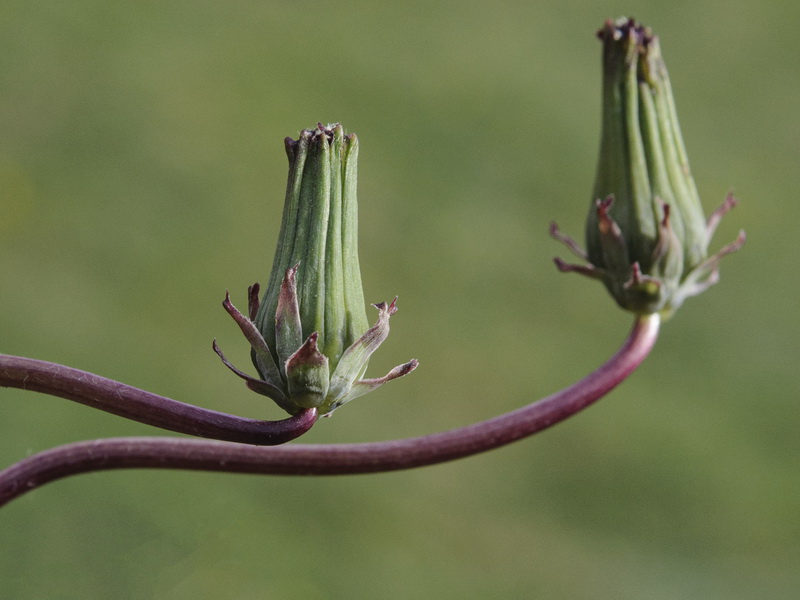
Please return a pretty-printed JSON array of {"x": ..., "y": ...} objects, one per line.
[
  {"x": 310, "y": 337},
  {"x": 647, "y": 238}
]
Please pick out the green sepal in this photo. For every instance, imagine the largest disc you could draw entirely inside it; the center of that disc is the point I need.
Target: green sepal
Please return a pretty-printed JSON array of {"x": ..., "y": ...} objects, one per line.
[
  {"x": 288, "y": 330},
  {"x": 307, "y": 374},
  {"x": 262, "y": 357},
  {"x": 354, "y": 360}
]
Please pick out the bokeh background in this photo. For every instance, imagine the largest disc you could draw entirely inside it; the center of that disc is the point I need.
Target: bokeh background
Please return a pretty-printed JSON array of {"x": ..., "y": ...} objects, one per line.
[{"x": 142, "y": 173}]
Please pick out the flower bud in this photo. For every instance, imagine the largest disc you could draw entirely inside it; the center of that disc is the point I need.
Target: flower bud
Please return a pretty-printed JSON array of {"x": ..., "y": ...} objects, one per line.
[
  {"x": 309, "y": 335},
  {"x": 646, "y": 235}
]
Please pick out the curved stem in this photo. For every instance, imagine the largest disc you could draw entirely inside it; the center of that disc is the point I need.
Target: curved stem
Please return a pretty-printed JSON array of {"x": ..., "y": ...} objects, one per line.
[
  {"x": 331, "y": 459},
  {"x": 146, "y": 407}
]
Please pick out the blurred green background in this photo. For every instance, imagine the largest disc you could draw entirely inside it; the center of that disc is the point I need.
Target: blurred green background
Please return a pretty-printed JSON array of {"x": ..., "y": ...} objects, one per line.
[{"x": 142, "y": 173}]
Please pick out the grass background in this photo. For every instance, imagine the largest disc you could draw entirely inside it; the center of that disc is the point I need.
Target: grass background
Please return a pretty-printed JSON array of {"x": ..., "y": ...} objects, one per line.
[{"x": 142, "y": 174}]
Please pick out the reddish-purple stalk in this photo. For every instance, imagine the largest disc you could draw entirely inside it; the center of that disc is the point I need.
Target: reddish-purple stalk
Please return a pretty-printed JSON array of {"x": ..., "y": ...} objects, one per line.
[
  {"x": 143, "y": 406},
  {"x": 330, "y": 459}
]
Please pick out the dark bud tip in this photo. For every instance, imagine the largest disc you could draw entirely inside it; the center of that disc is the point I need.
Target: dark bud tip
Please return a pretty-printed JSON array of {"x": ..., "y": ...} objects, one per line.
[
  {"x": 606, "y": 223},
  {"x": 290, "y": 146},
  {"x": 410, "y": 366},
  {"x": 636, "y": 273},
  {"x": 253, "y": 301},
  {"x": 606, "y": 204},
  {"x": 665, "y": 220},
  {"x": 625, "y": 28},
  {"x": 391, "y": 308}
]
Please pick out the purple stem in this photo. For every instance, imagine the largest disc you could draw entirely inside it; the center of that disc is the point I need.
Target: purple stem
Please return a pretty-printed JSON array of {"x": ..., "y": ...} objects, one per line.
[
  {"x": 146, "y": 407},
  {"x": 331, "y": 459}
]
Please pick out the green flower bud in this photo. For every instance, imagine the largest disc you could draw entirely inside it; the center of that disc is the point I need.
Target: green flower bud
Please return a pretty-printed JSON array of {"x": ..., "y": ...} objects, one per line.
[
  {"x": 646, "y": 235},
  {"x": 309, "y": 335}
]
